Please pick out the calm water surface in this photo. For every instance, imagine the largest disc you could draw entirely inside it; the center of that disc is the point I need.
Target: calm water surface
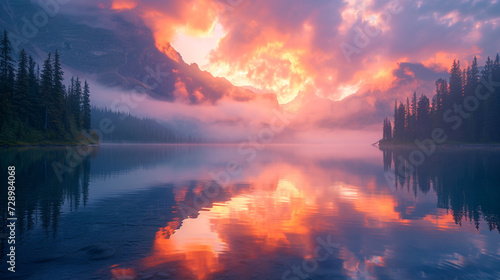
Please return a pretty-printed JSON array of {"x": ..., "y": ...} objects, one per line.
[{"x": 284, "y": 212}]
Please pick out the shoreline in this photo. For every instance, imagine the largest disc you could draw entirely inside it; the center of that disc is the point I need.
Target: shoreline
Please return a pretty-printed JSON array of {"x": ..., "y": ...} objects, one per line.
[
  {"x": 388, "y": 146},
  {"x": 47, "y": 145}
]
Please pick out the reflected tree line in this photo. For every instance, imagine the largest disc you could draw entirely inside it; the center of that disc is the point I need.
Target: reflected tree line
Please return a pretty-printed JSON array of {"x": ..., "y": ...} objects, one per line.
[
  {"x": 40, "y": 195},
  {"x": 465, "y": 182}
]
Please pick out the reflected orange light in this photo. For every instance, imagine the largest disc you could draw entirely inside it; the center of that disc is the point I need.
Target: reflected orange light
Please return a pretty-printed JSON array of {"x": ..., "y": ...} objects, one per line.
[
  {"x": 278, "y": 212},
  {"x": 379, "y": 207},
  {"x": 123, "y": 273},
  {"x": 269, "y": 216},
  {"x": 196, "y": 245},
  {"x": 445, "y": 221}
]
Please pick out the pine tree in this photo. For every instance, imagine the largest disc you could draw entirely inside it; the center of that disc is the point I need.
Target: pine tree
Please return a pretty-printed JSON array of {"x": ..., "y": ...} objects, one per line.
[
  {"x": 413, "y": 117},
  {"x": 395, "y": 119},
  {"x": 399, "y": 123},
  {"x": 472, "y": 82},
  {"x": 491, "y": 115},
  {"x": 36, "y": 107},
  {"x": 407, "y": 120},
  {"x": 58, "y": 108},
  {"x": 387, "y": 130},
  {"x": 46, "y": 88},
  {"x": 455, "y": 96},
  {"x": 423, "y": 122},
  {"x": 441, "y": 95},
  {"x": 480, "y": 125},
  {"x": 86, "y": 109},
  {"x": 484, "y": 118},
  {"x": 6, "y": 62},
  {"x": 33, "y": 100},
  {"x": 76, "y": 108},
  {"x": 495, "y": 101},
  {"x": 456, "y": 84},
  {"x": 21, "y": 91},
  {"x": 6, "y": 78}
]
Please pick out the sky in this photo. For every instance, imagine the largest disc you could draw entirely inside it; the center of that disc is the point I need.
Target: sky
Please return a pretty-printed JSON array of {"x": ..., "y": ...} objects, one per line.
[
  {"x": 337, "y": 66},
  {"x": 331, "y": 48}
]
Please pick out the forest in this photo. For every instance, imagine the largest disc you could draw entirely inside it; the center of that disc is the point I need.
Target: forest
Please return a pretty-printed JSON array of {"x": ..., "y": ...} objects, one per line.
[
  {"x": 127, "y": 128},
  {"x": 35, "y": 105},
  {"x": 466, "y": 107}
]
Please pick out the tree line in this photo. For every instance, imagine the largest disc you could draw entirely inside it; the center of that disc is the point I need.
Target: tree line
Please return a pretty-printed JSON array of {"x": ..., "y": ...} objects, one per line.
[
  {"x": 35, "y": 106},
  {"x": 467, "y": 107},
  {"x": 130, "y": 128}
]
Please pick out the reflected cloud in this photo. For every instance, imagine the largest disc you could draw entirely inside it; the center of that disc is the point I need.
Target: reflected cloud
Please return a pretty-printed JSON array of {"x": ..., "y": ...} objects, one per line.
[{"x": 266, "y": 220}]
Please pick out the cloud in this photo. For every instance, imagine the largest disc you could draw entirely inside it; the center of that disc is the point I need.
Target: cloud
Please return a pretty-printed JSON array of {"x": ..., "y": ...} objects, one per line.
[
  {"x": 417, "y": 71},
  {"x": 289, "y": 46},
  {"x": 293, "y": 47}
]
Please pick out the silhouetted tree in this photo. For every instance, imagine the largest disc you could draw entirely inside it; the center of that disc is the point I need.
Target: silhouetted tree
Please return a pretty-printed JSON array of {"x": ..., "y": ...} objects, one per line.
[
  {"x": 36, "y": 108},
  {"x": 86, "y": 109},
  {"x": 76, "y": 104},
  {"x": 21, "y": 89},
  {"x": 6, "y": 77},
  {"x": 46, "y": 89},
  {"x": 387, "y": 130},
  {"x": 479, "y": 116},
  {"x": 423, "y": 123},
  {"x": 399, "y": 123},
  {"x": 441, "y": 93},
  {"x": 56, "y": 118},
  {"x": 33, "y": 100}
]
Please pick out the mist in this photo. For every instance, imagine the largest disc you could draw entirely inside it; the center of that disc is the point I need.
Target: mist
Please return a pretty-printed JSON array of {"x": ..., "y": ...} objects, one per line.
[{"x": 229, "y": 120}]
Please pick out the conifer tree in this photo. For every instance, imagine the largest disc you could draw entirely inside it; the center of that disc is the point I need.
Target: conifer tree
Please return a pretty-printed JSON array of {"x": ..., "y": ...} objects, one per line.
[
  {"x": 479, "y": 123},
  {"x": 36, "y": 107},
  {"x": 86, "y": 109},
  {"x": 21, "y": 90},
  {"x": 58, "y": 96},
  {"x": 423, "y": 122},
  {"x": 472, "y": 82},
  {"x": 46, "y": 88},
  {"x": 33, "y": 99},
  {"x": 76, "y": 104},
  {"x": 6, "y": 77}
]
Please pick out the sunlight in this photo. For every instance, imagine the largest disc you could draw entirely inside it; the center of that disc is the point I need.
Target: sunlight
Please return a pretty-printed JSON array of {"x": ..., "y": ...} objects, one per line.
[
  {"x": 348, "y": 90},
  {"x": 195, "y": 48}
]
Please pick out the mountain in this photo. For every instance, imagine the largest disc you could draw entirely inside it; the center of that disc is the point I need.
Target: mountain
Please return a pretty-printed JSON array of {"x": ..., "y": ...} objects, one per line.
[
  {"x": 118, "y": 51},
  {"x": 354, "y": 112}
]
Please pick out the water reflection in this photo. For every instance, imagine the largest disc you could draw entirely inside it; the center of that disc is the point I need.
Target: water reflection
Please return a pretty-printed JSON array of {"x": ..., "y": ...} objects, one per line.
[
  {"x": 123, "y": 219},
  {"x": 40, "y": 195},
  {"x": 466, "y": 182}
]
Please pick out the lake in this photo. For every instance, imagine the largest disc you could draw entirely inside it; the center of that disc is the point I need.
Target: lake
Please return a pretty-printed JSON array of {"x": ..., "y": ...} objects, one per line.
[{"x": 232, "y": 212}]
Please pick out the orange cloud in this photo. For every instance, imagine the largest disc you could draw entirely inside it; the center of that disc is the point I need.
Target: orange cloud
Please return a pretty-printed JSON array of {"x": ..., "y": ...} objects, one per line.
[
  {"x": 293, "y": 47},
  {"x": 123, "y": 5},
  {"x": 194, "y": 17}
]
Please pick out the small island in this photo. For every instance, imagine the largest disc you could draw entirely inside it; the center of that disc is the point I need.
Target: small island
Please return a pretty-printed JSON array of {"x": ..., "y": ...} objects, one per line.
[
  {"x": 36, "y": 108},
  {"x": 463, "y": 112}
]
